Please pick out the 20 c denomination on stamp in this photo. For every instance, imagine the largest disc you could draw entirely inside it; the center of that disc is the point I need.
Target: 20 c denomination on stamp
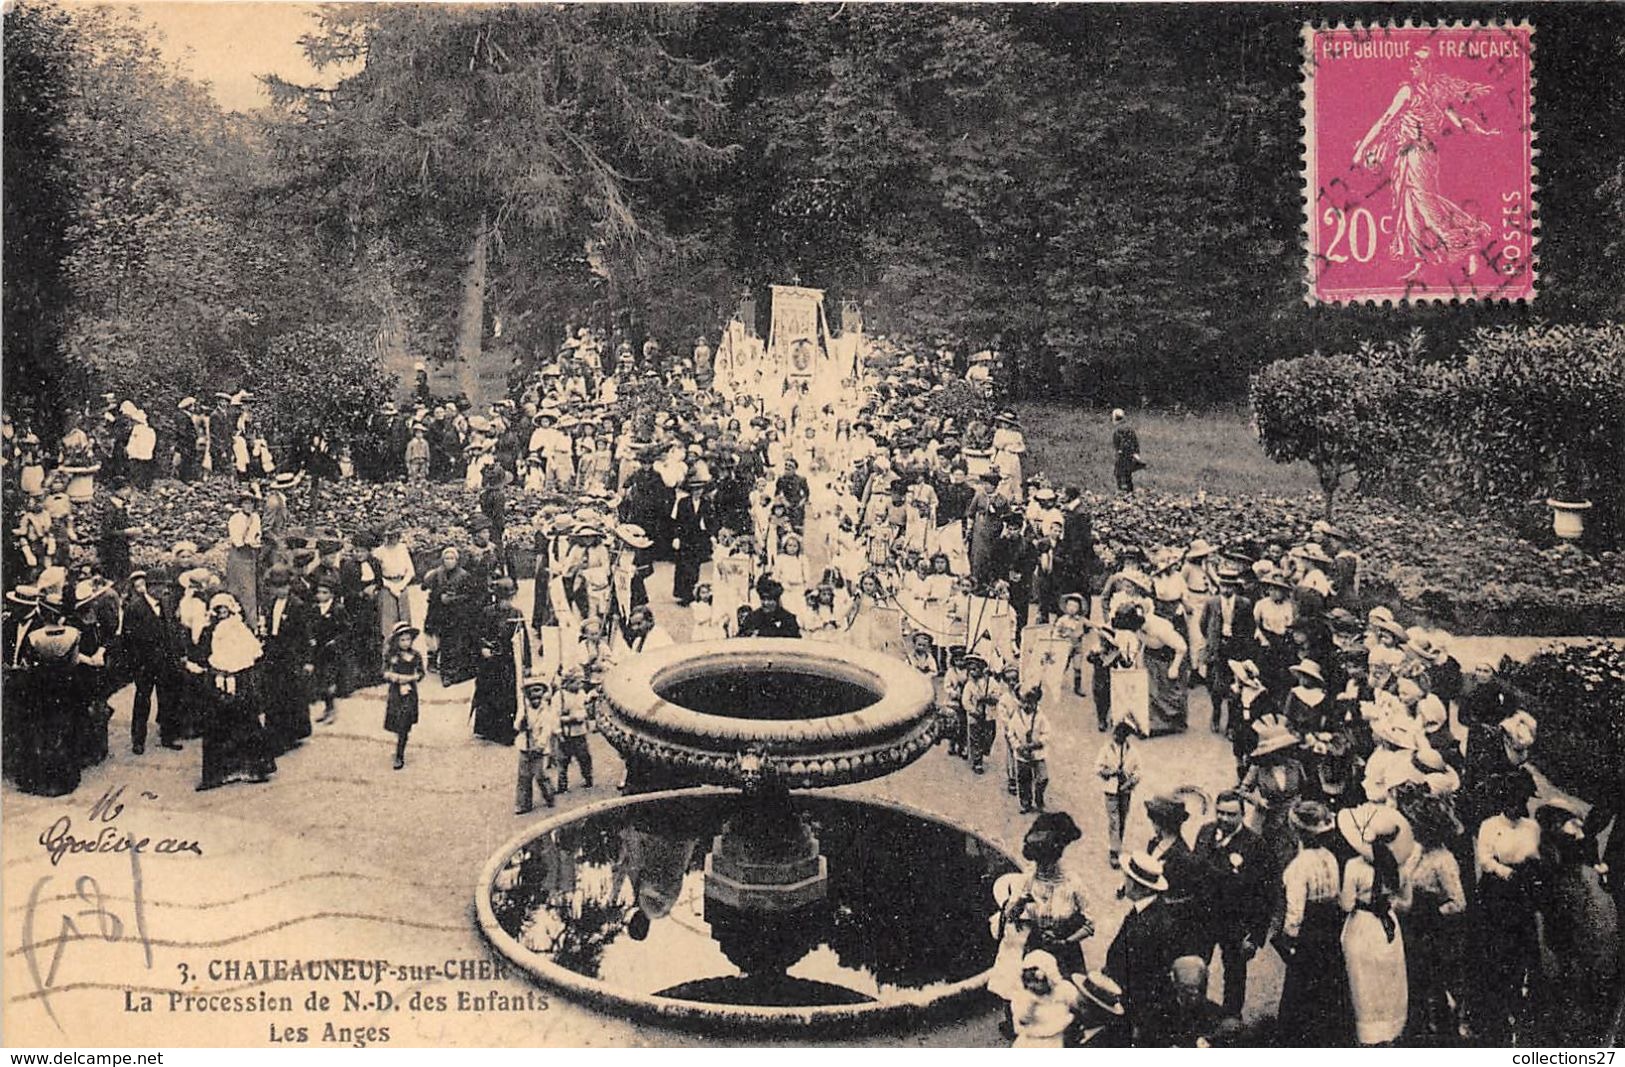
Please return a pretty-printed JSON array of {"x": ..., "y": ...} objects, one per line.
[{"x": 1419, "y": 152}]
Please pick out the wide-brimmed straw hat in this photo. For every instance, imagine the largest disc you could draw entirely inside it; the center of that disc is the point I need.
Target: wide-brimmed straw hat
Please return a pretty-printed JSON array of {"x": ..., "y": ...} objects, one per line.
[
  {"x": 1314, "y": 553},
  {"x": 1145, "y": 869},
  {"x": 1363, "y": 826},
  {"x": 1101, "y": 991},
  {"x": 1308, "y": 668},
  {"x": 1422, "y": 645},
  {"x": 1246, "y": 673},
  {"x": 1390, "y": 627},
  {"x": 1273, "y": 735},
  {"x": 633, "y": 535}
]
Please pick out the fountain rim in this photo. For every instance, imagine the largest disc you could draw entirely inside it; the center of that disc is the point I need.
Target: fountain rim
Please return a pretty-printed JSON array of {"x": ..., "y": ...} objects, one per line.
[
  {"x": 599, "y": 994},
  {"x": 904, "y": 696}
]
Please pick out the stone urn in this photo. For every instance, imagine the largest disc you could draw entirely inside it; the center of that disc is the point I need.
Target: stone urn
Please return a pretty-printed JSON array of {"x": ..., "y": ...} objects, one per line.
[
  {"x": 81, "y": 482},
  {"x": 1568, "y": 517}
]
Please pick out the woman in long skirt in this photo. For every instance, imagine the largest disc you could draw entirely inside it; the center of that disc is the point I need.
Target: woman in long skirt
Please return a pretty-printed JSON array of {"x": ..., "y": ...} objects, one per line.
[
  {"x": 1434, "y": 899},
  {"x": 1373, "y": 947},
  {"x": 452, "y": 613},
  {"x": 360, "y": 586},
  {"x": 504, "y": 657},
  {"x": 1312, "y": 989},
  {"x": 45, "y": 701},
  {"x": 235, "y": 746},
  {"x": 243, "y": 561},
  {"x": 1167, "y": 672},
  {"x": 1507, "y": 949},
  {"x": 395, "y": 574}
]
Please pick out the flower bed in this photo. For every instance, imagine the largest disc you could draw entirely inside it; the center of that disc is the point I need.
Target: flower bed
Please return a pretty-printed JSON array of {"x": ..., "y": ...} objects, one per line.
[
  {"x": 432, "y": 516},
  {"x": 1466, "y": 575}
]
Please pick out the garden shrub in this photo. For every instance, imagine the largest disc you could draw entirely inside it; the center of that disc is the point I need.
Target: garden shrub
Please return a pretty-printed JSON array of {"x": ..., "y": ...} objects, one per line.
[{"x": 1578, "y": 695}]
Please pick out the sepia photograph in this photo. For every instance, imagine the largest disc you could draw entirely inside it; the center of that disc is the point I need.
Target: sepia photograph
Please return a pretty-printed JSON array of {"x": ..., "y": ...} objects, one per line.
[{"x": 812, "y": 525}]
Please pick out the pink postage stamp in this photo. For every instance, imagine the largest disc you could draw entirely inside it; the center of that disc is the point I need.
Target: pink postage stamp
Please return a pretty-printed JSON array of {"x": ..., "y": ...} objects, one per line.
[{"x": 1419, "y": 163}]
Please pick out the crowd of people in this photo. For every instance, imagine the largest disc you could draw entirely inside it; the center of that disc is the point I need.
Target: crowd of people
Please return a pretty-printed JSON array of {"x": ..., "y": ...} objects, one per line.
[{"x": 1379, "y": 834}]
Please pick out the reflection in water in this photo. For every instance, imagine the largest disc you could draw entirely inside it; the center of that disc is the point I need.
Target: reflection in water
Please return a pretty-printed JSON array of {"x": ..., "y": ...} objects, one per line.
[
  {"x": 767, "y": 901},
  {"x": 767, "y": 694}
]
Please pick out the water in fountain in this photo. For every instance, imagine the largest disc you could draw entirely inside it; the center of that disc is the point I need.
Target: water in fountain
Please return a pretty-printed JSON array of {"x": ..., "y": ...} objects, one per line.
[
  {"x": 781, "y": 695},
  {"x": 762, "y": 901}
]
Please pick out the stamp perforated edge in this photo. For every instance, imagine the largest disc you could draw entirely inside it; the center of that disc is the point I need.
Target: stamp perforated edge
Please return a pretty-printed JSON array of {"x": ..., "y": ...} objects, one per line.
[{"x": 1306, "y": 142}]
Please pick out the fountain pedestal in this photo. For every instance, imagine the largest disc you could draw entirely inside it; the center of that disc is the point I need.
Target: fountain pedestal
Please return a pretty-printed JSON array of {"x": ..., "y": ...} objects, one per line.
[{"x": 766, "y": 861}]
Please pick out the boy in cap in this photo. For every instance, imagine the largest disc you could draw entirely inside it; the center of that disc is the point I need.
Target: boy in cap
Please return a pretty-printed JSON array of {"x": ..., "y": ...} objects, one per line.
[
  {"x": 1028, "y": 729},
  {"x": 417, "y": 455},
  {"x": 327, "y": 628},
  {"x": 1118, "y": 765},
  {"x": 978, "y": 698},
  {"x": 575, "y": 724},
  {"x": 537, "y": 727}
]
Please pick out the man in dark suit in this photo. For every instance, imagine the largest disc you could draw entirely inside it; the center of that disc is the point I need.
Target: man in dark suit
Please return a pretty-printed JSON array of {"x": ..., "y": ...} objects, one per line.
[
  {"x": 692, "y": 527},
  {"x": 1126, "y": 447},
  {"x": 1237, "y": 896},
  {"x": 1227, "y": 634},
  {"x": 646, "y": 501},
  {"x": 730, "y": 499},
  {"x": 1146, "y": 944},
  {"x": 1012, "y": 558},
  {"x": 188, "y": 429},
  {"x": 150, "y": 652},
  {"x": 284, "y": 630},
  {"x": 222, "y": 427}
]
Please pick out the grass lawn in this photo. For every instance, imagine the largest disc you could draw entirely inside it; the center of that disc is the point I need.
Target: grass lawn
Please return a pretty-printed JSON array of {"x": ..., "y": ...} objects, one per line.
[{"x": 1213, "y": 451}]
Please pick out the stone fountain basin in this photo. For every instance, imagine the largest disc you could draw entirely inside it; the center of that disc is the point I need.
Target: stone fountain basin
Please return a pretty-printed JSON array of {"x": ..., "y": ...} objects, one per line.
[
  {"x": 896, "y": 1007},
  {"x": 798, "y": 746}
]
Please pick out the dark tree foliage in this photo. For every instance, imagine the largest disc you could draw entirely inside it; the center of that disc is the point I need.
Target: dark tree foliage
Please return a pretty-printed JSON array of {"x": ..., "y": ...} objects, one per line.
[
  {"x": 537, "y": 126},
  {"x": 1111, "y": 194},
  {"x": 39, "y": 202}
]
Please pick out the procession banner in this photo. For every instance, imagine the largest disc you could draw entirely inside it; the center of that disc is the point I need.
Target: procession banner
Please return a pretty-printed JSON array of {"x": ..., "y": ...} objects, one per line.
[
  {"x": 1131, "y": 697},
  {"x": 797, "y": 338},
  {"x": 1043, "y": 661}
]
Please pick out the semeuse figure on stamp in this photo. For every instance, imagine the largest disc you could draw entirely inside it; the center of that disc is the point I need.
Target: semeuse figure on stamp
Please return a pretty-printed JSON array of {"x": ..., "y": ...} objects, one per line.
[{"x": 1428, "y": 227}]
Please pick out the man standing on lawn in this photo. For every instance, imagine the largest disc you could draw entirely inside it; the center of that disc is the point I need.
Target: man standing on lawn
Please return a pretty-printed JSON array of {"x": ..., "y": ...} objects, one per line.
[{"x": 1126, "y": 445}]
